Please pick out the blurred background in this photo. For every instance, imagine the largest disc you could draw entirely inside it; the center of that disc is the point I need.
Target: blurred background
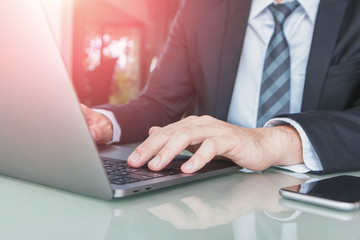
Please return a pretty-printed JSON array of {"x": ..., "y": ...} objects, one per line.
[{"x": 110, "y": 46}]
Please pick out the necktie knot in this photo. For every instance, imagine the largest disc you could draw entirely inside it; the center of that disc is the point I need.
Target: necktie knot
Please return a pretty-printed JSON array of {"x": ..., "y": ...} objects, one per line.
[{"x": 282, "y": 11}]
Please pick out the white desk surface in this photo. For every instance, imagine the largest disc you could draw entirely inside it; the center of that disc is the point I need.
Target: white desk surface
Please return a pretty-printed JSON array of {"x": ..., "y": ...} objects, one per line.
[{"x": 234, "y": 206}]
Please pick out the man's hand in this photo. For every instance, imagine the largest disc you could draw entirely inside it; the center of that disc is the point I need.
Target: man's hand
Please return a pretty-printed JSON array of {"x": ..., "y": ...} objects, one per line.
[
  {"x": 101, "y": 128},
  {"x": 255, "y": 149}
]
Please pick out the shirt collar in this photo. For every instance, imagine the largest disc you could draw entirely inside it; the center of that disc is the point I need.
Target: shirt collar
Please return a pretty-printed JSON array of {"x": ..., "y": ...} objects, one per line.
[{"x": 310, "y": 7}]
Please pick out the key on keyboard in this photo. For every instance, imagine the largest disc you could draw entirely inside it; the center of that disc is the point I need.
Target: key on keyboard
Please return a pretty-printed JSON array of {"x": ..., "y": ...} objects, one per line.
[{"x": 120, "y": 173}]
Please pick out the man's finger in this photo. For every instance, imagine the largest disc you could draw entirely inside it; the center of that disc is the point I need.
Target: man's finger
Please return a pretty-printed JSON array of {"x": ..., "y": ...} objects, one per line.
[
  {"x": 170, "y": 141},
  {"x": 172, "y": 148},
  {"x": 153, "y": 129},
  {"x": 206, "y": 152},
  {"x": 148, "y": 149},
  {"x": 190, "y": 131}
]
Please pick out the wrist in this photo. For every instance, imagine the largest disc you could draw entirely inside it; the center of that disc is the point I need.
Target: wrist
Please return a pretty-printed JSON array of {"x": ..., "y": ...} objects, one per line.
[{"x": 286, "y": 146}]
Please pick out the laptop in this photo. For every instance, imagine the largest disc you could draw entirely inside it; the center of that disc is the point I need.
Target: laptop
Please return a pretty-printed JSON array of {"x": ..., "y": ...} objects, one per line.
[{"x": 44, "y": 136}]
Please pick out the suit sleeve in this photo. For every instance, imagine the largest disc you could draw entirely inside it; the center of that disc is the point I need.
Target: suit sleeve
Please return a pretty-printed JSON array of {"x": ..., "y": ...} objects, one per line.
[
  {"x": 168, "y": 93},
  {"x": 335, "y": 136}
]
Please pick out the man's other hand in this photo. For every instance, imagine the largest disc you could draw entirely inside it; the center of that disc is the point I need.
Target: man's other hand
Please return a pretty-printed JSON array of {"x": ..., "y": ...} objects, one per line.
[
  {"x": 255, "y": 149},
  {"x": 101, "y": 128}
]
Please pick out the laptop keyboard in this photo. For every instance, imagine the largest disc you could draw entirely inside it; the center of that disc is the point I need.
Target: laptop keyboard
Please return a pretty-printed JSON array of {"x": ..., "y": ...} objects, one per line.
[{"x": 120, "y": 173}]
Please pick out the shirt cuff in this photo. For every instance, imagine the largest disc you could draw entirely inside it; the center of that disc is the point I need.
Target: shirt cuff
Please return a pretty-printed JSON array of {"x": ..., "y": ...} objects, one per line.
[
  {"x": 310, "y": 157},
  {"x": 116, "y": 127}
]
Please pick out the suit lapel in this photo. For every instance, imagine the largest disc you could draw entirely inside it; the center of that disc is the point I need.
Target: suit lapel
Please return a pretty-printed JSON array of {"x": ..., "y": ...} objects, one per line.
[
  {"x": 236, "y": 23},
  {"x": 327, "y": 27}
]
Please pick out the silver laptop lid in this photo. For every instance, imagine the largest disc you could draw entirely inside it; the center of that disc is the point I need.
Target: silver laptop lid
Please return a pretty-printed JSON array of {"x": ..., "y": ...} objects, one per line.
[{"x": 44, "y": 137}]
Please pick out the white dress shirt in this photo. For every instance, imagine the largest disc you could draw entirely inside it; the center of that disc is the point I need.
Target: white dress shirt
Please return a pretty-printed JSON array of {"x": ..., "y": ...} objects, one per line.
[{"x": 298, "y": 29}]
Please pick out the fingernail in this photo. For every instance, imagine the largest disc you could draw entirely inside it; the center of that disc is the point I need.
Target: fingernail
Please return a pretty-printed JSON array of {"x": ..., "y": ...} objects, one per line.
[
  {"x": 134, "y": 157},
  {"x": 189, "y": 166},
  {"x": 93, "y": 134},
  {"x": 155, "y": 161}
]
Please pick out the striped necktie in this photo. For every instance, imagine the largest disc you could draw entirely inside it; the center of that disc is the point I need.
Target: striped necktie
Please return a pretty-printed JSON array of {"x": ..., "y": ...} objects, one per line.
[{"x": 275, "y": 84}]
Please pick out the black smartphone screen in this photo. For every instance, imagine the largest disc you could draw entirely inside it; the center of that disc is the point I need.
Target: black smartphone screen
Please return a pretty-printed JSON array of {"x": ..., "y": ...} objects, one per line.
[{"x": 342, "y": 188}]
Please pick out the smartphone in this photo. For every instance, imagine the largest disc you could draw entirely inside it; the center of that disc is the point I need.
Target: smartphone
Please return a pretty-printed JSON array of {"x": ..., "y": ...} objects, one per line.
[{"x": 341, "y": 192}]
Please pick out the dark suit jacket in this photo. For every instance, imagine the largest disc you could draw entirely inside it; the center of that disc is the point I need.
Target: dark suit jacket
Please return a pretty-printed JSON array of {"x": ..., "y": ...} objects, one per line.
[{"x": 200, "y": 62}]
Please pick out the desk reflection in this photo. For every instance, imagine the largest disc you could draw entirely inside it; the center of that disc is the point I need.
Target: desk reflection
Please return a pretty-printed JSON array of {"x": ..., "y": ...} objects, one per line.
[
  {"x": 223, "y": 201},
  {"x": 235, "y": 206}
]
